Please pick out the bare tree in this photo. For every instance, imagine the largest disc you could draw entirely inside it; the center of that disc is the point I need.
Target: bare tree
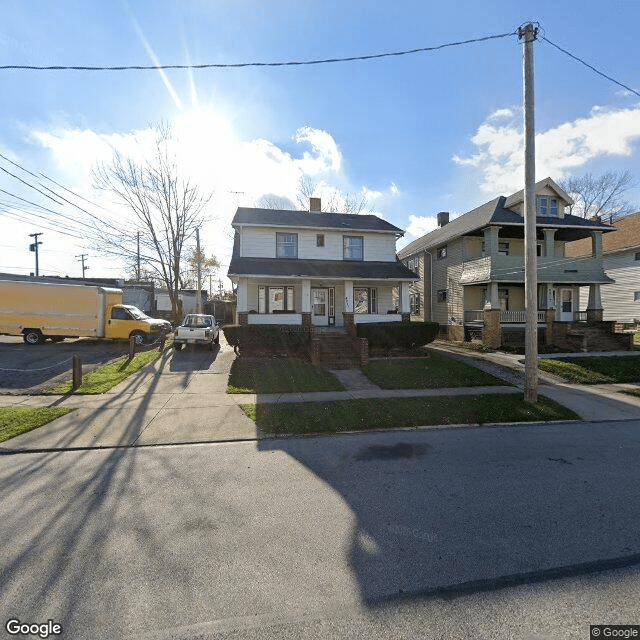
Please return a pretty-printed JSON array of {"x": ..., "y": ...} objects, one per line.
[
  {"x": 208, "y": 266},
  {"x": 307, "y": 188},
  {"x": 602, "y": 196},
  {"x": 166, "y": 208},
  {"x": 337, "y": 203}
]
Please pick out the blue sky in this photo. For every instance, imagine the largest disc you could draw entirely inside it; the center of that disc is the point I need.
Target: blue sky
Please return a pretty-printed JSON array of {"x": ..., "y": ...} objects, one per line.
[{"x": 417, "y": 134}]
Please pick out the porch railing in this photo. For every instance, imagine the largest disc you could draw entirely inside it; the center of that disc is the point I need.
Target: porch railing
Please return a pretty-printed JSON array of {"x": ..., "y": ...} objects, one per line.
[{"x": 517, "y": 317}]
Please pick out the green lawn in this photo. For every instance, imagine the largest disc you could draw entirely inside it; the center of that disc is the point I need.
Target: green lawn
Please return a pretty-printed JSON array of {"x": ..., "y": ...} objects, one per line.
[
  {"x": 433, "y": 372},
  {"x": 632, "y": 392},
  {"x": 107, "y": 377},
  {"x": 355, "y": 415},
  {"x": 273, "y": 375},
  {"x": 595, "y": 370},
  {"x": 17, "y": 420},
  {"x": 636, "y": 337}
]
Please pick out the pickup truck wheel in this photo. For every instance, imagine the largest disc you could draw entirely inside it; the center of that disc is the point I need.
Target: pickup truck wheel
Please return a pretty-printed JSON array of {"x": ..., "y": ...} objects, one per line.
[
  {"x": 217, "y": 339},
  {"x": 33, "y": 336},
  {"x": 177, "y": 346},
  {"x": 139, "y": 338}
]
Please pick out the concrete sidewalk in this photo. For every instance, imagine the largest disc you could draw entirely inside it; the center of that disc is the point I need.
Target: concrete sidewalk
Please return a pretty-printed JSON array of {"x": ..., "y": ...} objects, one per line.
[
  {"x": 181, "y": 398},
  {"x": 593, "y": 403}
]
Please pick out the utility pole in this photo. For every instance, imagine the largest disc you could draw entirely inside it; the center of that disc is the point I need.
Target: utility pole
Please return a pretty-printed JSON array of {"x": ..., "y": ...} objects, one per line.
[
  {"x": 528, "y": 33},
  {"x": 82, "y": 256},
  {"x": 34, "y": 247},
  {"x": 138, "y": 262},
  {"x": 198, "y": 257}
]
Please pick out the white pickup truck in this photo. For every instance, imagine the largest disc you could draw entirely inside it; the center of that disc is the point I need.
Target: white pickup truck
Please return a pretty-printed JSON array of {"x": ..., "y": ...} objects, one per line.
[{"x": 197, "y": 329}]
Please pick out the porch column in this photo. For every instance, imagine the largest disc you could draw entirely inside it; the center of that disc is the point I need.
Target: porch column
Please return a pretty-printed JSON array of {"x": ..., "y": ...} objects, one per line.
[
  {"x": 491, "y": 241},
  {"x": 348, "y": 308},
  {"x": 348, "y": 296},
  {"x": 550, "y": 315},
  {"x": 594, "y": 306},
  {"x": 405, "y": 306},
  {"x": 242, "y": 302},
  {"x": 493, "y": 297},
  {"x": 305, "y": 306},
  {"x": 596, "y": 244},
  {"x": 549, "y": 242}
]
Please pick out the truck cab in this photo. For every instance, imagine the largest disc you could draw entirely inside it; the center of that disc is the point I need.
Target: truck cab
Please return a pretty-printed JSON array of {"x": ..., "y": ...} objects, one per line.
[{"x": 124, "y": 321}]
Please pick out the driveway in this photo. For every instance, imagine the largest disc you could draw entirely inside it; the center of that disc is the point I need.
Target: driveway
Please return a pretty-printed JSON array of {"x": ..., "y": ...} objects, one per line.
[
  {"x": 28, "y": 368},
  {"x": 179, "y": 398}
]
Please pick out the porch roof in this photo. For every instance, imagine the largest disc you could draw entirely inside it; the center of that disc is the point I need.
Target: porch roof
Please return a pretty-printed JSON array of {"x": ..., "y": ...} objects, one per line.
[{"x": 344, "y": 269}]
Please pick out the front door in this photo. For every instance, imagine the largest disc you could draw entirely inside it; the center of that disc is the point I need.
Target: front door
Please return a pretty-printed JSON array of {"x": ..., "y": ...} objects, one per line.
[
  {"x": 566, "y": 305},
  {"x": 320, "y": 307}
]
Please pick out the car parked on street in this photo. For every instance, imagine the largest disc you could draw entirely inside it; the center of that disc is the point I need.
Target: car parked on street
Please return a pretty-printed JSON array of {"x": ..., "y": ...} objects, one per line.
[{"x": 197, "y": 328}]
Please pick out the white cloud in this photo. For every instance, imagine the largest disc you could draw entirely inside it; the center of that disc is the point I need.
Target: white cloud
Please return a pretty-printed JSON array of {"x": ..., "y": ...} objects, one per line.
[
  {"x": 420, "y": 225},
  {"x": 560, "y": 151},
  {"x": 500, "y": 113}
]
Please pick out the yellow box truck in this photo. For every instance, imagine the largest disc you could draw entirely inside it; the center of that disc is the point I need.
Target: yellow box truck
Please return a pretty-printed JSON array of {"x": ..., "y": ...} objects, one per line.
[{"x": 41, "y": 310}]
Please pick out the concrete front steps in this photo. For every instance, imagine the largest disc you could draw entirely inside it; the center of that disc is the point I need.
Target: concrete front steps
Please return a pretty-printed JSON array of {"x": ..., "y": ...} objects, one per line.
[{"x": 335, "y": 349}]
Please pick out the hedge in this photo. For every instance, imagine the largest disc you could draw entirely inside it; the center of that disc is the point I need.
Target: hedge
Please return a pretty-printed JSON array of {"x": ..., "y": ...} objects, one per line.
[
  {"x": 271, "y": 336},
  {"x": 390, "y": 335}
]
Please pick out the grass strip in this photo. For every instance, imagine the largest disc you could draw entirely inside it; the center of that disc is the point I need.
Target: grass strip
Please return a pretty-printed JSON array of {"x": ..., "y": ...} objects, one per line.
[
  {"x": 595, "y": 370},
  {"x": 432, "y": 372},
  {"x": 355, "y": 415},
  {"x": 631, "y": 392},
  {"x": 17, "y": 420},
  {"x": 273, "y": 375},
  {"x": 108, "y": 376}
]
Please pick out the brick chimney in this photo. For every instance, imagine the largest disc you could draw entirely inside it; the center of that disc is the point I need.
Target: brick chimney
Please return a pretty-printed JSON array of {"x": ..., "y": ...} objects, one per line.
[
  {"x": 443, "y": 218},
  {"x": 315, "y": 205}
]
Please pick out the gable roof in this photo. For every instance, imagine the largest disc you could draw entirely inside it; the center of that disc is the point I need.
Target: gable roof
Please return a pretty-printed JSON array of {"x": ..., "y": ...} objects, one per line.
[
  {"x": 625, "y": 236},
  {"x": 497, "y": 212},
  {"x": 305, "y": 219},
  {"x": 518, "y": 196}
]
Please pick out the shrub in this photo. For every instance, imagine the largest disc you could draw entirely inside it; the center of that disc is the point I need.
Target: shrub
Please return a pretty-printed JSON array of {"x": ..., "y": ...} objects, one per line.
[
  {"x": 405, "y": 335},
  {"x": 272, "y": 337}
]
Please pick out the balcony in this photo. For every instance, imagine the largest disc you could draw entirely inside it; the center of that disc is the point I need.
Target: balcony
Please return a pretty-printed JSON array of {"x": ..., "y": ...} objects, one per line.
[{"x": 553, "y": 269}]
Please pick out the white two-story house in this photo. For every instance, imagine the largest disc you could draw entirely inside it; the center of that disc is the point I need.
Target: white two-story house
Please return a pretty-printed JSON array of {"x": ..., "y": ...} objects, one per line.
[{"x": 314, "y": 268}]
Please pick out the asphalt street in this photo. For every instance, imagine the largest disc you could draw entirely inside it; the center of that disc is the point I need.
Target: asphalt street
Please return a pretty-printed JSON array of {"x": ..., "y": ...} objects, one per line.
[{"x": 496, "y": 532}]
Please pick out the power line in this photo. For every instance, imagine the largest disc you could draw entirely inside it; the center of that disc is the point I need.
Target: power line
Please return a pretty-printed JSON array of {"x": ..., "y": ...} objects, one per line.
[
  {"x": 239, "y": 65},
  {"x": 586, "y": 64}
]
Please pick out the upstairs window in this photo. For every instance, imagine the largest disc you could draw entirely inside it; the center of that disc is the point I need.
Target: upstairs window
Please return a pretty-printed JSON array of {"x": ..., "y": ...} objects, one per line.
[
  {"x": 637, "y": 257},
  {"x": 442, "y": 252},
  {"x": 286, "y": 245},
  {"x": 320, "y": 240},
  {"x": 353, "y": 248},
  {"x": 547, "y": 206}
]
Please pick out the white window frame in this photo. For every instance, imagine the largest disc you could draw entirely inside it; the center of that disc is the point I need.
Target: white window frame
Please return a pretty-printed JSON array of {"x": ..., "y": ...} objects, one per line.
[
  {"x": 348, "y": 247},
  {"x": 371, "y": 300},
  {"x": 284, "y": 240},
  {"x": 264, "y": 296}
]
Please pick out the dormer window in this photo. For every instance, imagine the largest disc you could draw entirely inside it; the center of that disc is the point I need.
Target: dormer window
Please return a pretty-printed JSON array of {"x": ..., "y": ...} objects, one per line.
[{"x": 547, "y": 206}]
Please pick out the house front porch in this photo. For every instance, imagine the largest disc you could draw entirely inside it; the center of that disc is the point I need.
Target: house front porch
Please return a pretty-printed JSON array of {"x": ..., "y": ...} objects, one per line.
[
  {"x": 561, "y": 323},
  {"x": 320, "y": 302}
]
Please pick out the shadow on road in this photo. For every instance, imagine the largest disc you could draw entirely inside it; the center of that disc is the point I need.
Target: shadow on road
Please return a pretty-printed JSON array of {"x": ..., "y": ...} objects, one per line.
[{"x": 457, "y": 511}]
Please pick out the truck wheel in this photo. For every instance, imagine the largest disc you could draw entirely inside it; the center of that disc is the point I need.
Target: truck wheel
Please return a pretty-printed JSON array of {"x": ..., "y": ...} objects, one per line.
[
  {"x": 33, "y": 336},
  {"x": 177, "y": 346},
  {"x": 139, "y": 337},
  {"x": 217, "y": 339}
]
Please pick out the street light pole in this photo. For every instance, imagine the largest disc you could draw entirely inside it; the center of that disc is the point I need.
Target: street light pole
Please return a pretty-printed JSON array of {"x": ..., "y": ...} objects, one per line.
[
  {"x": 34, "y": 247},
  {"x": 529, "y": 33}
]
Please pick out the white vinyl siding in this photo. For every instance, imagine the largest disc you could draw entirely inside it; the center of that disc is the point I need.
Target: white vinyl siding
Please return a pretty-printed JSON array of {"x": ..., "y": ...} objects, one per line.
[{"x": 260, "y": 242}]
